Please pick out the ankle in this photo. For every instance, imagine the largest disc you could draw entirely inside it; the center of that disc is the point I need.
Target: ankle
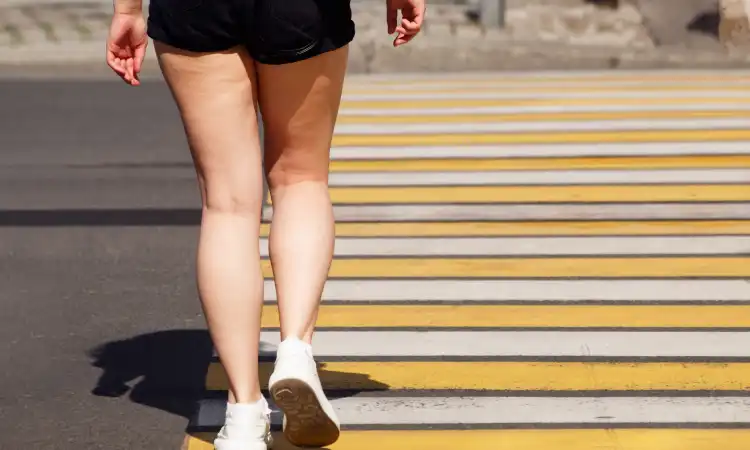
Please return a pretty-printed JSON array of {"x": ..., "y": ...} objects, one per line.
[
  {"x": 242, "y": 409},
  {"x": 305, "y": 338},
  {"x": 245, "y": 397}
]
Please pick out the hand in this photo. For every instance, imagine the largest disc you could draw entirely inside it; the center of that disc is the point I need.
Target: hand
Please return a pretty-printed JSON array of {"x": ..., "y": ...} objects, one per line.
[
  {"x": 126, "y": 46},
  {"x": 412, "y": 14}
]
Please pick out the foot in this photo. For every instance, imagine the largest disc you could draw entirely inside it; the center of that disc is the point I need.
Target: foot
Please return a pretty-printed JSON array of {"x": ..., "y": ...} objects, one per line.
[
  {"x": 309, "y": 418},
  {"x": 247, "y": 427}
]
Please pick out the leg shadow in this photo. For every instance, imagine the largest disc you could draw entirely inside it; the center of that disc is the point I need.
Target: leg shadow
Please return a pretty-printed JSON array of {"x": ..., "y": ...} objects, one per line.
[
  {"x": 164, "y": 370},
  {"x": 175, "y": 370}
]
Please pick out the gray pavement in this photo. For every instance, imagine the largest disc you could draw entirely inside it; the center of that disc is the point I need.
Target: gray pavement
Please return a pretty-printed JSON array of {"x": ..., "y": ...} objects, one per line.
[{"x": 68, "y": 287}]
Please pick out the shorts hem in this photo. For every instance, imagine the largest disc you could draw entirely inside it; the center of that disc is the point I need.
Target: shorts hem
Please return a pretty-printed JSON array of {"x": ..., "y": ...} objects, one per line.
[
  {"x": 323, "y": 46},
  {"x": 158, "y": 35}
]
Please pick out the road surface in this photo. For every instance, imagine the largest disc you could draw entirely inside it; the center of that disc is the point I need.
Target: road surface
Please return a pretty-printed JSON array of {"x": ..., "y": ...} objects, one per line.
[{"x": 539, "y": 261}]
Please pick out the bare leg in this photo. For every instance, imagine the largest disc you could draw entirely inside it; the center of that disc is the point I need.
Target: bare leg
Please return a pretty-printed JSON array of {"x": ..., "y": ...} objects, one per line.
[
  {"x": 215, "y": 94},
  {"x": 299, "y": 104}
]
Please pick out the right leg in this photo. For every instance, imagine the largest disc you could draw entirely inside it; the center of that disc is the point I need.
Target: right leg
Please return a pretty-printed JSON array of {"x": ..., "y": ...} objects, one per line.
[
  {"x": 215, "y": 93},
  {"x": 299, "y": 103}
]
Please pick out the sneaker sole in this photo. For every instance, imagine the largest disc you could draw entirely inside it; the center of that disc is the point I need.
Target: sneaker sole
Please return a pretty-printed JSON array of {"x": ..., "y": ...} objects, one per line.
[{"x": 307, "y": 424}]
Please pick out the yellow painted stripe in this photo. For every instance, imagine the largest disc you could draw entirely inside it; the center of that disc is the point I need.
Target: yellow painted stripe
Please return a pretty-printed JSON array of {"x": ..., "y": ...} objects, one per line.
[
  {"x": 526, "y": 316},
  {"x": 516, "y": 376},
  {"x": 536, "y": 267},
  {"x": 625, "y": 136},
  {"x": 539, "y": 194},
  {"x": 547, "y": 89},
  {"x": 495, "y": 164},
  {"x": 476, "y": 102},
  {"x": 561, "y": 228},
  {"x": 591, "y": 439},
  {"x": 541, "y": 117}
]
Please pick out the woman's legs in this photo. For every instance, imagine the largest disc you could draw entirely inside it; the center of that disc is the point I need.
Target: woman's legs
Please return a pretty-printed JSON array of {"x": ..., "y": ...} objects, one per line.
[
  {"x": 299, "y": 103},
  {"x": 215, "y": 94}
]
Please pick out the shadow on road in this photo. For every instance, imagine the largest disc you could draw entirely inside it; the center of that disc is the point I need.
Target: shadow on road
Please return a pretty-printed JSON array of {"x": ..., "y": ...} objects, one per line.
[
  {"x": 144, "y": 217},
  {"x": 168, "y": 370},
  {"x": 164, "y": 370}
]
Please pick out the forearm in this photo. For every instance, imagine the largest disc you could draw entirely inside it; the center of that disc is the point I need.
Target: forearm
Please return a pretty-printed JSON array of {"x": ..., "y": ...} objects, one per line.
[{"x": 128, "y": 6}]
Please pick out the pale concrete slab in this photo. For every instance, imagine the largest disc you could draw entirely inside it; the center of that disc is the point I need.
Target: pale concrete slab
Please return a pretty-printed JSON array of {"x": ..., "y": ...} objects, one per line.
[
  {"x": 499, "y": 411},
  {"x": 504, "y": 83},
  {"x": 609, "y": 211},
  {"x": 523, "y": 344},
  {"x": 552, "y": 75},
  {"x": 540, "y": 177},
  {"x": 656, "y": 291},
  {"x": 552, "y": 107},
  {"x": 561, "y": 94},
  {"x": 537, "y": 246},
  {"x": 541, "y": 126},
  {"x": 546, "y": 150}
]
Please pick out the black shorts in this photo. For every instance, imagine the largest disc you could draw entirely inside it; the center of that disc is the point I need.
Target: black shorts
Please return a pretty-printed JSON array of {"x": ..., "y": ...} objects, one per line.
[{"x": 273, "y": 31}]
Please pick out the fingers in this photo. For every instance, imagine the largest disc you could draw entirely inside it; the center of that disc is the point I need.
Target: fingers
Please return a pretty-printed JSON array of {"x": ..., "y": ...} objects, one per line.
[
  {"x": 140, "y": 55},
  {"x": 131, "y": 77},
  {"x": 406, "y": 32},
  {"x": 391, "y": 18},
  {"x": 125, "y": 66},
  {"x": 411, "y": 24},
  {"x": 115, "y": 62}
]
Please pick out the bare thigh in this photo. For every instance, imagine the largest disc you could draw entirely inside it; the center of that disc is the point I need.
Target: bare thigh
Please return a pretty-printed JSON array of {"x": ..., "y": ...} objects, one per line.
[
  {"x": 299, "y": 104},
  {"x": 215, "y": 94}
]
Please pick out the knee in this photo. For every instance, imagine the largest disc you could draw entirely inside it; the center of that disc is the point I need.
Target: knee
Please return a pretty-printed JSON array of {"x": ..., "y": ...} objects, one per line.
[
  {"x": 286, "y": 172},
  {"x": 240, "y": 198}
]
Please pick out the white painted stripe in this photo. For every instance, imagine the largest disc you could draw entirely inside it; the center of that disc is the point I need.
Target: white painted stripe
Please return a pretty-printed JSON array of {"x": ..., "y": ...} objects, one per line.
[
  {"x": 624, "y": 211},
  {"x": 551, "y": 76},
  {"x": 530, "y": 290},
  {"x": 514, "y": 246},
  {"x": 568, "y": 126},
  {"x": 588, "y": 75},
  {"x": 519, "y": 410},
  {"x": 553, "y": 108},
  {"x": 522, "y": 344},
  {"x": 503, "y": 84},
  {"x": 562, "y": 94},
  {"x": 543, "y": 177},
  {"x": 544, "y": 151}
]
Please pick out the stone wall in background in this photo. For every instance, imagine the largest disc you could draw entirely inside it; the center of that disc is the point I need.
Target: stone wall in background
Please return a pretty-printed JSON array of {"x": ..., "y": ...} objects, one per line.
[
  {"x": 539, "y": 34},
  {"x": 734, "y": 29}
]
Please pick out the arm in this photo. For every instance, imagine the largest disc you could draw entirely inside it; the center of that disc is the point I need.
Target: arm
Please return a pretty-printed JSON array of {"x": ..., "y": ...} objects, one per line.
[
  {"x": 128, "y": 6},
  {"x": 126, "y": 45}
]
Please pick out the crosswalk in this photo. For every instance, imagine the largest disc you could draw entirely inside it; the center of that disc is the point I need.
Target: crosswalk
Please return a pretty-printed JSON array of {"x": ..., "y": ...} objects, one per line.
[{"x": 534, "y": 261}]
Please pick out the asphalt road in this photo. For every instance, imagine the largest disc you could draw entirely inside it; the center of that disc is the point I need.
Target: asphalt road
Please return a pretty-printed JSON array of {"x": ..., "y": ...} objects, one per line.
[{"x": 101, "y": 337}]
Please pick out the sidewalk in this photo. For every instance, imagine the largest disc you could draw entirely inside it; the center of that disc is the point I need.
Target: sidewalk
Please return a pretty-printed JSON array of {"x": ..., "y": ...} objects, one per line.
[{"x": 562, "y": 35}]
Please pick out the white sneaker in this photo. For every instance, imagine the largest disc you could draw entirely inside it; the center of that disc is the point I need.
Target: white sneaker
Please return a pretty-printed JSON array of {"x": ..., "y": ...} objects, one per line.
[
  {"x": 246, "y": 427},
  {"x": 309, "y": 418}
]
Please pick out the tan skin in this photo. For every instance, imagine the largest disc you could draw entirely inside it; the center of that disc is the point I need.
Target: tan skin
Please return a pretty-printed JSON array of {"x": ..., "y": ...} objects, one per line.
[{"x": 216, "y": 95}]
